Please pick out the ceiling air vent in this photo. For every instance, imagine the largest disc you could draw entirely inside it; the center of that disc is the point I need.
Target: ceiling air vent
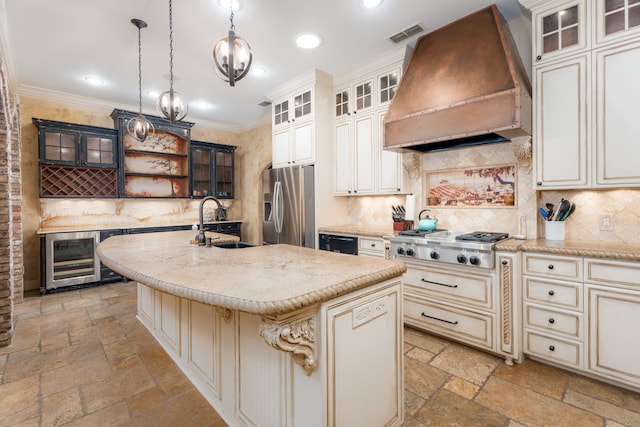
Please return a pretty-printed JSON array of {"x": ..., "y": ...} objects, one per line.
[
  {"x": 406, "y": 33},
  {"x": 264, "y": 104}
]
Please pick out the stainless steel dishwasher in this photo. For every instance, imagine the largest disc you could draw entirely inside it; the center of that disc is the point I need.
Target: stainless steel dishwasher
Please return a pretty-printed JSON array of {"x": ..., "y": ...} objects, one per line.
[{"x": 338, "y": 243}]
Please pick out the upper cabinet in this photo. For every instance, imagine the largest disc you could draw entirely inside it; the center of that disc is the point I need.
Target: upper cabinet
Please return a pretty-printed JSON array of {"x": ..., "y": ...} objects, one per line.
[
  {"x": 77, "y": 160},
  {"x": 157, "y": 166},
  {"x": 361, "y": 166},
  {"x": 295, "y": 120},
  {"x": 560, "y": 28},
  {"x": 616, "y": 20},
  {"x": 212, "y": 170},
  {"x": 582, "y": 140}
]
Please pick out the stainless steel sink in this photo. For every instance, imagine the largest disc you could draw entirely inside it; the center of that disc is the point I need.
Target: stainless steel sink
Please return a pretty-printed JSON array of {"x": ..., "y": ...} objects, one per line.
[{"x": 232, "y": 245}]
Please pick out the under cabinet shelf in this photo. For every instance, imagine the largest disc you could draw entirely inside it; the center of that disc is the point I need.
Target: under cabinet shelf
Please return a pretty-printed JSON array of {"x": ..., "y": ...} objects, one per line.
[{"x": 160, "y": 153}]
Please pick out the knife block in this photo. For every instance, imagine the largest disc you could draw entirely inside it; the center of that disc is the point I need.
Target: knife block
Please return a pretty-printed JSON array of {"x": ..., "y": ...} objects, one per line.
[{"x": 402, "y": 225}]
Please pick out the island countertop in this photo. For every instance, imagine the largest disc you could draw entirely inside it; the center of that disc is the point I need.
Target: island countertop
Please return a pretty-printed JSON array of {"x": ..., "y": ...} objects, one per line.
[{"x": 266, "y": 280}]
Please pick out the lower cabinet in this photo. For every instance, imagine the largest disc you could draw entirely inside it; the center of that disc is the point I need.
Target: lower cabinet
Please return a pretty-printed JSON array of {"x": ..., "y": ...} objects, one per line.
[
  {"x": 467, "y": 305},
  {"x": 373, "y": 247},
  {"x": 587, "y": 323},
  {"x": 356, "y": 344}
]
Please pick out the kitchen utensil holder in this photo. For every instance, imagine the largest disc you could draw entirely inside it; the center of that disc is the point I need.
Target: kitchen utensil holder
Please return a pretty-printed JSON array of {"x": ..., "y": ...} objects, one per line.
[
  {"x": 554, "y": 230},
  {"x": 402, "y": 225}
]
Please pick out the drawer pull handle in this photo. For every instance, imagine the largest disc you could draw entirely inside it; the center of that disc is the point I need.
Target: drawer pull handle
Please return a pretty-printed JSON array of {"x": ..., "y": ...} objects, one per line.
[
  {"x": 455, "y": 322},
  {"x": 439, "y": 284},
  {"x": 552, "y": 348},
  {"x": 551, "y": 293},
  {"x": 373, "y": 245},
  {"x": 550, "y": 266},
  {"x": 552, "y": 321}
]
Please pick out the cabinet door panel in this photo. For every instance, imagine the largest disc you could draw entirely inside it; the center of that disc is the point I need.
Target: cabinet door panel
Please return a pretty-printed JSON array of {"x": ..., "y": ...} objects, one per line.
[
  {"x": 613, "y": 350},
  {"x": 364, "y": 154},
  {"x": 303, "y": 143},
  {"x": 618, "y": 103},
  {"x": 281, "y": 148},
  {"x": 561, "y": 110},
  {"x": 390, "y": 167},
  {"x": 342, "y": 158}
]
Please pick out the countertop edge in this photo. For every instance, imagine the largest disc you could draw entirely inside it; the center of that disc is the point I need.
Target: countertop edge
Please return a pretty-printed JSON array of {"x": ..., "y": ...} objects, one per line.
[
  {"x": 583, "y": 248},
  {"x": 73, "y": 229}
]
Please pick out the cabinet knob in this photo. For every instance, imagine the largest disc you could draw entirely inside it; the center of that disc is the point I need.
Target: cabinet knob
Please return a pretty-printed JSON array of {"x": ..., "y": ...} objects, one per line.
[
  {"x": 551, "y": 293},
  {"x": 552, "y": 348},
  {"x": 504, "y": 262},
  {"x": 538, "y": 58},
  {"x": 355, "y": 112},
  {"x": 550, "y": 266},
  {"x": 552, "y": 321},
  {"x": 373, "y": 245},
  {"x": 539, "y": 183}
]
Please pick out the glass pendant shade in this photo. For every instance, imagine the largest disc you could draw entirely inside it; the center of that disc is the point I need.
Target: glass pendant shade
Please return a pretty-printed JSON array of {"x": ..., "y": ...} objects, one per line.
[
  {"x": 139, "y": 128},
  {"x": 232, "y": 57},
  {"x": 172, "y": 106}
]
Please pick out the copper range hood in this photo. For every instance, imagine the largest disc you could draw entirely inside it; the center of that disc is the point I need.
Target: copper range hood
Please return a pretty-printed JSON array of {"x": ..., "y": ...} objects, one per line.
[{"x": 464, "y": 85}]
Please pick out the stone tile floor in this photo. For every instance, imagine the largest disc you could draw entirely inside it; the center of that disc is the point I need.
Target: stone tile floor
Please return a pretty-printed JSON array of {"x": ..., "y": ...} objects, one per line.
[{"x": 81, "y": 358}]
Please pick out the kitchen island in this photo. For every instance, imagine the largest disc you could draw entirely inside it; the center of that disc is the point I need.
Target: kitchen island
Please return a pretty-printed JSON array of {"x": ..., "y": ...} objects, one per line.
[{"x": 273, "y": 335}]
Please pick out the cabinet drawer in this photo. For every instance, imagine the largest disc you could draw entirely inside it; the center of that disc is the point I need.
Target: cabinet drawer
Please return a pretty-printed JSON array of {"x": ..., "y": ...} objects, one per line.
[
  {"x": 455, "y": 323},
  {"x": 554, "y": 349},
  {"x": 560, "y": 267},
  {"x": 371, "y": 245},
  {"x": 553, "y": 292},
  {"x": 565, "y": 323},
  {"x": 612, "y": 272},
  {"x": 449, "y": 285}
]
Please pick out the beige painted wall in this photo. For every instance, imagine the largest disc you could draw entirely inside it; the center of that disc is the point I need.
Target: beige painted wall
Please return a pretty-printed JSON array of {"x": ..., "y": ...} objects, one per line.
[{"x": 252, "y": 155}]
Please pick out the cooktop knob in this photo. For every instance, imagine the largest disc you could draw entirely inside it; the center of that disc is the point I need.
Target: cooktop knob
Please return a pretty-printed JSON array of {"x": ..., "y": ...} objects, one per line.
[
  {"x": 474, "y": 260},
  {"x": 462, "y": 259},
  {"x": 411, "y": 252},
  {"x": 434, "y": 255},
  {"x": 400, "y": 251}
]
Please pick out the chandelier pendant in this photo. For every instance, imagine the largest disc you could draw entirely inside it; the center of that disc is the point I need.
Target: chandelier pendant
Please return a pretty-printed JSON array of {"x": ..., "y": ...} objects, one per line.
[
  {"x": 232, "y": 56},
  {"x": 139, "y": 127}
]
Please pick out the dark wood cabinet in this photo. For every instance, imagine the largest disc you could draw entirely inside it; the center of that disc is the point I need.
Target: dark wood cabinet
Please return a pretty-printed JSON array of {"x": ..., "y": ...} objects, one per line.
[
  {"x": 212, "y": 170},
  {"x": 157, "y": 166},
  {"x": 77, "y": 160}
]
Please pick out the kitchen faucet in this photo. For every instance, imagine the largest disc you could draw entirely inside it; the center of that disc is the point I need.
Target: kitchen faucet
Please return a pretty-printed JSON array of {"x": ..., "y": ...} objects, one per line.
[{"x": 201, "y": 238}]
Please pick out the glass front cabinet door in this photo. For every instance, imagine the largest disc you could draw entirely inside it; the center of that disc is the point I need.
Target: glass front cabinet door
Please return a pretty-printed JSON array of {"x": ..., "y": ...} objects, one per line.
[{"x": 212, "y": 170}]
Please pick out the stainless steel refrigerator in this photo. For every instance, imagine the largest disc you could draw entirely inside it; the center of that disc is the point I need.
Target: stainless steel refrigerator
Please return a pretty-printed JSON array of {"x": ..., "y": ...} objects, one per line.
[{"x": 288, "y": 206}]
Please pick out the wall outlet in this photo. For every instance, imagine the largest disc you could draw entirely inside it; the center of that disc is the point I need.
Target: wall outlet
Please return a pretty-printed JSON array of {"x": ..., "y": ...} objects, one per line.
[{"x": 606, "y": 222}]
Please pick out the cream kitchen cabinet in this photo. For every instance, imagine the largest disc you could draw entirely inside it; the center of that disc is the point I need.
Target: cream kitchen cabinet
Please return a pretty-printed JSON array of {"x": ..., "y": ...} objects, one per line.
[
  {"x": 560, "y": 28},
  {"x": 373, "y": 247},
  {"x": 361, "y": 166},
  {"x": 296, "y": 119},
  {"x": 553, "y": 316},
  {"x": 469, "y": 306},
  {"x": 613, "y": 301},
  {"x": 561, "y": 125},
  {"x": 582, "y": 140}
]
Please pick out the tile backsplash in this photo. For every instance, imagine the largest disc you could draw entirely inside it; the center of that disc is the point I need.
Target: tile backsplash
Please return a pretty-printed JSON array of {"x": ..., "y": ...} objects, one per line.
[{"x": 584, "y": 224}]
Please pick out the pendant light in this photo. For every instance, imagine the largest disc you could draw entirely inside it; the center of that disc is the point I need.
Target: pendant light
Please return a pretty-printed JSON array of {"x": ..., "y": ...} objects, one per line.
[
  {"x": 171, "y": 104},
  {"x": 232, "y": 56},
  {"x": 139, "y": 127}
]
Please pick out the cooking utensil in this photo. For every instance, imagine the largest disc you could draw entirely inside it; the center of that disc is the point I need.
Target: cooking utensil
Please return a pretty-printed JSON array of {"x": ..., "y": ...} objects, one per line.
[
  {"x": 544, "y": 214},
  {"x": 563, "y": 208},
  {"x": 569, "y": 212},
  {"x": 549, "y": 210},
  {"x": 426, "y": 223}
]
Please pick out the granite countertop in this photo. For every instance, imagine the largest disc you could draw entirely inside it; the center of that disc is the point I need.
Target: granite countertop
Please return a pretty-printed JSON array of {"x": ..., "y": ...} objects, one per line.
[
  {"x": 586, "y": 248},
  {"x": 266, "y": 280},
  {"x": 360, "y": 230},
  {"x": 72, "y": 228}
]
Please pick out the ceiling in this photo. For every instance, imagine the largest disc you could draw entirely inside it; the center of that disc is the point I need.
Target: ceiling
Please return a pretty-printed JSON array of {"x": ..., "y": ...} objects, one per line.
[{"x": 51, "y": 46}]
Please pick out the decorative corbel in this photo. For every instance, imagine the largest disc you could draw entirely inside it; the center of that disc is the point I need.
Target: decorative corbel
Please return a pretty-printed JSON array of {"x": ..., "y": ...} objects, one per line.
[
  {"x": 412, "y": 164},
  {"x": 225, "y": 313},
  {"x": 294, "y": 334},
  {"x": 523, "y": 151}
]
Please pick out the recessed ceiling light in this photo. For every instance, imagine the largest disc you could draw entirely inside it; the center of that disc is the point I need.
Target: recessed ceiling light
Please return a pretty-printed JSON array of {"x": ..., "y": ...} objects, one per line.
[
  {"x": 308, "y": 41},
  {"x": 153, "y": 94},
  {"x": 229, "y": 4},
  {"x": 370, "y": 4},
  {"x": 258, "y": 71},
  {"x": 93, "y": 80}
]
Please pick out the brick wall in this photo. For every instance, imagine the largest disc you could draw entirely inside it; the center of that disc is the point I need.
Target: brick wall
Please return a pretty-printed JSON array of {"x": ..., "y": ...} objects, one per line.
[{"x": 11, "y": 270}]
